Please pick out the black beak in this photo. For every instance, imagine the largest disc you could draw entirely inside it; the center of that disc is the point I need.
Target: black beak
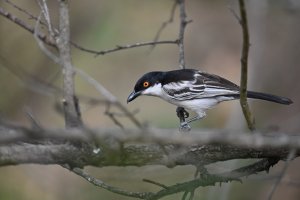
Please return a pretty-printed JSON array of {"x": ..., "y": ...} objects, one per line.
[{"x": 133, "y": 95}]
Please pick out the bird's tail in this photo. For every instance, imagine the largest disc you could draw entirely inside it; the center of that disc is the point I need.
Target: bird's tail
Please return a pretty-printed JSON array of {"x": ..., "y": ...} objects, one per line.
[{"x": 269, "y": 97}]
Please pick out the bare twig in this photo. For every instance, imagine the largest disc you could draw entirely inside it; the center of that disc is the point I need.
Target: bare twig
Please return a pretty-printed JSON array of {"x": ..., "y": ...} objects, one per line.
[
  {"x": 112, "y": 117},
  {"x": 244, "y": 67},
  {"x": 165, "y": 24},
  {"x": 44, "y": 88},
  {"x": 70, "y": 103},
  {"x": 27, "y": 27},
  {"x": 212, "y": 179},
  {"x": 109, "y": 96},
  {"x": 155, "y": 183},
  {"x": 44, "y": 49},
  {"x": 99, "y": 183},
  {"x": 183, "y": 23},
  {"x": 278, "y": 180},
  {"x": 34, "y": 122},
  {"x": 21, "y": 9},
  {"x": 123, "y": 47},
  {"x": 44, "y": 8}
]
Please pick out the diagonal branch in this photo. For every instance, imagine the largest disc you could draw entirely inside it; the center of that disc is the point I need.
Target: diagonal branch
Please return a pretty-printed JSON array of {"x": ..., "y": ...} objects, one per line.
[
  {"x": 244, "y": 67},
  {"x": 109, "y": 97},
  {"x": 99, "y": 183},
  {"x": 27, "y": 27}
]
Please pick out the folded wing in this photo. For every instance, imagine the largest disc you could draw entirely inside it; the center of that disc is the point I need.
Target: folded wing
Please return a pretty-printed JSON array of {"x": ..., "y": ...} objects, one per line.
[{"x": 201, "y": 85}]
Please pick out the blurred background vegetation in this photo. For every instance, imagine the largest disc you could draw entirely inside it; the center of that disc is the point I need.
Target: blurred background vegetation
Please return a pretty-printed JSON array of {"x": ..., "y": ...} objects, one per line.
[{"x": 213, "y": 44}]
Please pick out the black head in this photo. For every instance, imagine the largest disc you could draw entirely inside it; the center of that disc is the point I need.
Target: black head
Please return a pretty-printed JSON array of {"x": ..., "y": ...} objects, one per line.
[{"x": 145, "y": 82}]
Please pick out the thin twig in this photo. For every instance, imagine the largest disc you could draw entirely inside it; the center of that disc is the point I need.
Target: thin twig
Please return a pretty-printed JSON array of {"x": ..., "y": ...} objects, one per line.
[
  {"x": 235, "y": 15},
  {"x": 112, "y": 116},
  {"x": 27, "y": 27},
  {"x": 123, "y": 47},
  {"x": 34, "y": 122},
  {"x": 21, "y": 9},
  {"x": 108, "y": 96},
  {"x": 244, "y": 67},
  {"x": 155, "y": 183},
  {"x": 44, "y": 8},
  {"x": 165, "y": 24},
  {"x": 282, "y": 173},
  {"x": 44, "y": 49},
  {"x": 212, "y": 179},
  {"x": 183, "y": 23},
  {"x": 99, "y": 183}
]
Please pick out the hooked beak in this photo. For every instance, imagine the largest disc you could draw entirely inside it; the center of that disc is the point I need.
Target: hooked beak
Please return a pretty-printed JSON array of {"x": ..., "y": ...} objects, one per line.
[{"x": 133, "y": 95}]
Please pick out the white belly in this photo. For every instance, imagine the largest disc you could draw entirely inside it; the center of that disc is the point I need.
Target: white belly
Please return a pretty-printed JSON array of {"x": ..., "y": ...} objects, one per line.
[{"x": 198, "y": 105}]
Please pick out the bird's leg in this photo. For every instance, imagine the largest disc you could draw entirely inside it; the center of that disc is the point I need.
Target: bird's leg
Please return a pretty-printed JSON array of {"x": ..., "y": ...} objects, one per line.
[
  {"x": 186, "y": 123},
  {"x": 182, "y": 114},
  {"x": 198, "y": 117}
]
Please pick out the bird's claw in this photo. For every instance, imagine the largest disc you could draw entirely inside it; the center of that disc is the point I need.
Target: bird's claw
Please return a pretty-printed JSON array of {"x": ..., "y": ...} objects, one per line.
[{"x": 184, "y": 127}]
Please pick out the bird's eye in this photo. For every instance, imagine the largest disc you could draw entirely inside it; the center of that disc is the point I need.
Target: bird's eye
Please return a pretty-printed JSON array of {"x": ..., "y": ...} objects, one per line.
[{"x": 146, "y": 84}]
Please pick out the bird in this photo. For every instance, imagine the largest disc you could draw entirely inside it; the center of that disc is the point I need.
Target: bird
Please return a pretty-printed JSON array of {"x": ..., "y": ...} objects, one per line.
[{"x": 194, "y": 90}]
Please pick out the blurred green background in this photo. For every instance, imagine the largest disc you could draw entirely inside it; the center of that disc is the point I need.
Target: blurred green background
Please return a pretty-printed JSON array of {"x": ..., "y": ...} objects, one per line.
[{"x": 212, "y": 43}]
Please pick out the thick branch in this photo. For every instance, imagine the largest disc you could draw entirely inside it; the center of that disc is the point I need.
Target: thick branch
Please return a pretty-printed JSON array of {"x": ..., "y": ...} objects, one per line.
[
  {"x": 130, "y": 155},
  {"x": 173, "y": 149}
]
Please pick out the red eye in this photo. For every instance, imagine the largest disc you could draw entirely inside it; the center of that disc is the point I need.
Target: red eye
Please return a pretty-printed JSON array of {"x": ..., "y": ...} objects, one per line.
[{"x": 146, "y": 84}]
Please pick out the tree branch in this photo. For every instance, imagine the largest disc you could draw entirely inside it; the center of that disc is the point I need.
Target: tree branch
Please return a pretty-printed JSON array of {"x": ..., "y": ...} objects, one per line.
[
  {"x": 27, "y": 27},
  {"x": 212, "y": 179},
  {"x": 123, "y": 47},
  {"x": 109, "y": 97},
  {"x": 244, "y": 67},
  {"x": 99, "y": 183},
  {"x": 165, "y": 24},
  {"x": 70, "y": 102},
  {"x": 173, "y": 149},
  {"x": 183, "y": 23}
]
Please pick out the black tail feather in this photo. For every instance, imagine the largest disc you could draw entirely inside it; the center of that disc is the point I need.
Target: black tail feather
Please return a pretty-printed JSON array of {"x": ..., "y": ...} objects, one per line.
[{"x": 269, "y": 97}]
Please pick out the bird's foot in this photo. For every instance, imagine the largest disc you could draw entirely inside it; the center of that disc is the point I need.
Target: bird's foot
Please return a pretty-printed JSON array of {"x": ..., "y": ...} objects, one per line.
[{"x": 184, "y": 127}]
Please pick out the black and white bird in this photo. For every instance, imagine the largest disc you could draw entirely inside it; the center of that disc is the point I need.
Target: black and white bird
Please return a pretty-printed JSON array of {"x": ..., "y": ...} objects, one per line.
[{"x": 194, "y": 90}]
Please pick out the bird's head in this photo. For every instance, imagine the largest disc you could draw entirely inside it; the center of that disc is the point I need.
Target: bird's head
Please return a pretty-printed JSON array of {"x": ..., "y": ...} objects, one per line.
[{"x": 148, "y": 84}]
